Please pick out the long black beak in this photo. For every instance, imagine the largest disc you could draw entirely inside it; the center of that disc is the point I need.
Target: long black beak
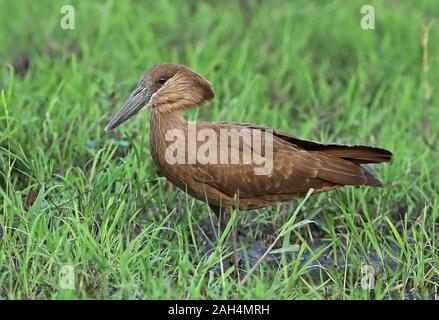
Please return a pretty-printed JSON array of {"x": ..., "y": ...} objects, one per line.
[{"x": 134, "y": 103}]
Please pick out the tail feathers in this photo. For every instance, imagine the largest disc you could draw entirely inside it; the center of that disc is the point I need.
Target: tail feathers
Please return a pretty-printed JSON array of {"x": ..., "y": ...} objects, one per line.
[
  {"x": 370, "y": 179},
  {"x": 356, "y": 154},
  {"x": 359, "y": 154},
  {"x": 342, "y": 173}
]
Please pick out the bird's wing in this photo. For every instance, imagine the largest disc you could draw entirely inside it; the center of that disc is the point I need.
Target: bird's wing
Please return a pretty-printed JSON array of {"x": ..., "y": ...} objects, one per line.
[
  {"x": 294, "y": 171},
  {"x": 355, "y": 153}
]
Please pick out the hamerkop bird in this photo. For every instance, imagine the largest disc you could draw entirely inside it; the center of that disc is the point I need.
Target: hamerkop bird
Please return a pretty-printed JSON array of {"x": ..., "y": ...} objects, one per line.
[{"x": 296, "y": 165}]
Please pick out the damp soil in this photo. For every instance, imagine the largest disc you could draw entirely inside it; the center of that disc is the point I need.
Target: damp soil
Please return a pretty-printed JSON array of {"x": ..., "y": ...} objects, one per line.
[{"x": 316, "y": 258}]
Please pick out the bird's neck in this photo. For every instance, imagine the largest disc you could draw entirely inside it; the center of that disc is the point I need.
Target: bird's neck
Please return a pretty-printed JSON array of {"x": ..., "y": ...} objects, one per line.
[{"x": 160, "y": 124}]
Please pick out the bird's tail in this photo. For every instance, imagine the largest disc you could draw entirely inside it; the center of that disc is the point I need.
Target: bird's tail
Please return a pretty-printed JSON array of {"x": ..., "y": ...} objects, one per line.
[
  {"x": 344, "y": 173},
  {"x": 370, "y": 179},
  {"x": 357, "y": 154},
  {"x": 360, "y": 155}
]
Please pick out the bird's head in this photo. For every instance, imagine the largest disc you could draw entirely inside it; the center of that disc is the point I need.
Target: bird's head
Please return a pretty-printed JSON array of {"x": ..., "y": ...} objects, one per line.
[{"x": 165, "y": 88}]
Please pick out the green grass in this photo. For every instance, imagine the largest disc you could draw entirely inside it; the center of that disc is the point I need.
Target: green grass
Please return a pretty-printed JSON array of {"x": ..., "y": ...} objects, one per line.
[{"x": 70, "y": 195}]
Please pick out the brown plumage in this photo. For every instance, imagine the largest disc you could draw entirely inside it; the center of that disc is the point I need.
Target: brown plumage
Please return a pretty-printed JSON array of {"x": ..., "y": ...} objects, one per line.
[{"x": 298, "y": 165}]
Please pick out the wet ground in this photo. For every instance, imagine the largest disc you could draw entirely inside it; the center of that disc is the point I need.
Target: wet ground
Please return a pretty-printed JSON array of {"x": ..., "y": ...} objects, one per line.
[{"x": 316, "y": 258}]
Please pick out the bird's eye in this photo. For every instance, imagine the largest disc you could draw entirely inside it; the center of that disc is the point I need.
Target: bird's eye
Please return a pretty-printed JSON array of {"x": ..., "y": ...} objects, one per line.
[{"x": 162, "y": 80}]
